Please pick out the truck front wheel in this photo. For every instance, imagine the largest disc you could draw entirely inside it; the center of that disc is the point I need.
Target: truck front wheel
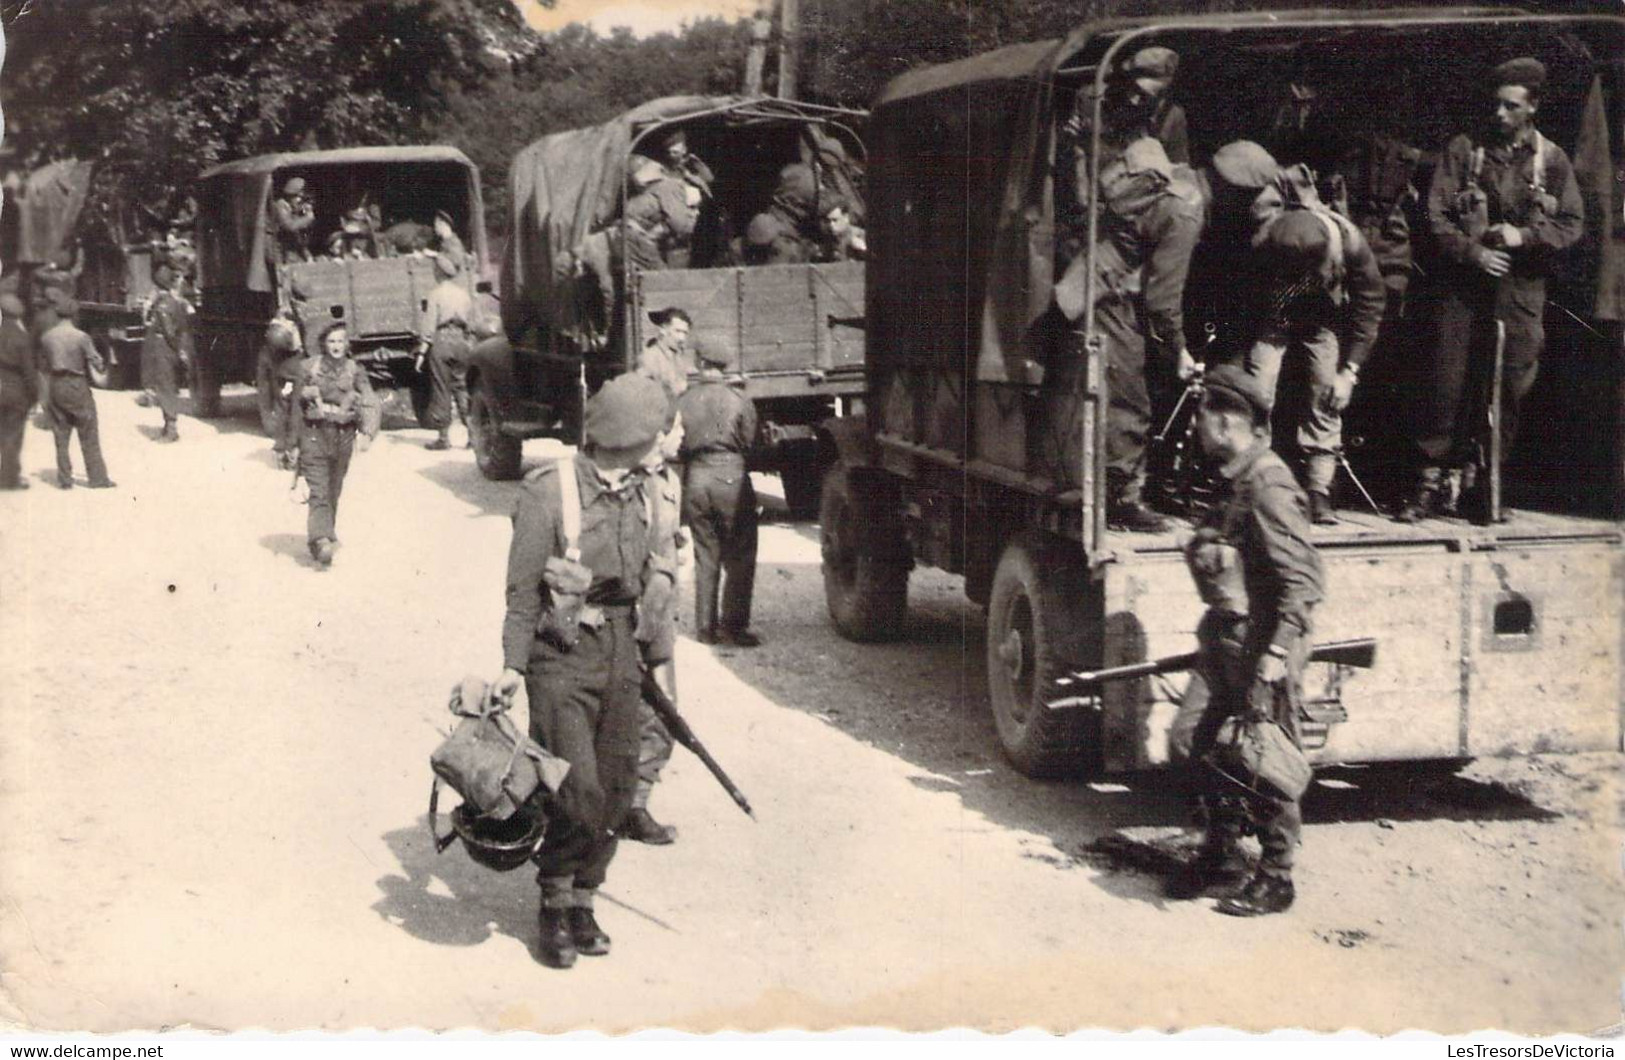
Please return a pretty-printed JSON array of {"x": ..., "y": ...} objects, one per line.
[
  {"x": 498, "y": 455},
  {"x": 866, "y": 560},
  {"x": 1035, "y": 633}
]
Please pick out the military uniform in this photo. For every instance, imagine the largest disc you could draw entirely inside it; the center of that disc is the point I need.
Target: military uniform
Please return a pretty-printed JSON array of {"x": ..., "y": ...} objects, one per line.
[
  {"x": 781, "y": 234},
  {"x": 658, "y": 632},
  {"x": 331, "y": 397},
  {"x": 719, "y": 504},
  {"x": 570, "y": 629},
  {"x": 167, "y": 343},
  {"x": 446, "y": 329},
  {"x": 667, "y": 367},
  {"x": 19, "y": 389},
  {"x": 290, "y": 225},
  {"x": 1259, "y": 574},
  {"x": 1150, "y": 221},
  {"x": 66, "y": 354},
  {"x": 1324, "y": 302}
]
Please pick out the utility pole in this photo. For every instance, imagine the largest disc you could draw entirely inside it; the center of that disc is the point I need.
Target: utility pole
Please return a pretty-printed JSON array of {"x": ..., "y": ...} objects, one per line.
[{"x": 789, "y": 46}]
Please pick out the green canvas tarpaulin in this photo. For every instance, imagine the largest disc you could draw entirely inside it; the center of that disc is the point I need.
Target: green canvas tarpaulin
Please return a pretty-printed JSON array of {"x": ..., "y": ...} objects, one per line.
[{"x": 49, "y": 202}]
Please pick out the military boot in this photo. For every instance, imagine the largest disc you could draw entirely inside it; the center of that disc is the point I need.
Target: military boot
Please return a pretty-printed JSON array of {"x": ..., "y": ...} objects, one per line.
[
  {"x": 587, "y": 936},
  {"x": 171, "y": 434},
  {"x": 1125, "y": 510},
  {"x": 555, "y": 944},
  {"x": 1262, "y": 896},
  {"x": 1424, "y": 501},
  {"x": 640, "y": 827},
  {"x": 1321, "y": 512},
  {"x": 442, "y": 441},
  {"x": 1209, "y": 876}
]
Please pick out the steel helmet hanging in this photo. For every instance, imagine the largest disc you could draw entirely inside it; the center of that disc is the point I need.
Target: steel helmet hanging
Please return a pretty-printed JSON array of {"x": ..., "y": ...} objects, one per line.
[{"x": 498, "y": 845}]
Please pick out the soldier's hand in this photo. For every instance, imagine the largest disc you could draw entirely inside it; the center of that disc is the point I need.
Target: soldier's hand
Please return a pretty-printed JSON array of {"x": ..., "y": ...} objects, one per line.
[
  {"x": 1495, "y": 262},
  {"x": 1272, "y": 668},
  {"x": 1342, "y": 390},
  {"x": 1187, "y": 367},
  {"x": 1506, "y": 235},
  {"x": 507, "y": 686}
]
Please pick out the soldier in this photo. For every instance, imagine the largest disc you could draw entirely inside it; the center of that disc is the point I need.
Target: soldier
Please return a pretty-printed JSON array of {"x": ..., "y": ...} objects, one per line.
[
  {"x": 333, "y": 399},
  {"x": 447, "y": 241},
  {"x": 444, "y": 333},
  {"x": 166, "y": 348},
  {"x": 1501, "y": 212},
  {"x": 665, "y": 358},
  {"x": 842, "y": 240},
  {"x": 1320, "y": 279},
  {"x": 1150, "y": 221},
  {"x": 569, "y": 638},
  {"x": 19, "y": 389},
  {"x": 784, "y": 233},
  {"x": 1151, "y": 70},
  {"x": 67, "y": 354},
  {"x": 1260, "y": 576},
  {"x": 658, "y": 632},
  {"x": 686, "y": 166},
  {"x": 719, "y": 503},
  {"x": 291, "y": 218}
]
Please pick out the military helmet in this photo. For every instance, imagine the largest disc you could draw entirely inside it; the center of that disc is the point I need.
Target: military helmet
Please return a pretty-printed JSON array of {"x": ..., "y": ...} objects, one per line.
[{"x": 499, "y": 845}]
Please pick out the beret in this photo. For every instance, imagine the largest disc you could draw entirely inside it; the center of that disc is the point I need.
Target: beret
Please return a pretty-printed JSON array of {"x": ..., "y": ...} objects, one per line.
[
  {"x": 796, "y": 181},
  {"x": 1236, "y": 380},
  {"x": 1530, "y": 73},
  {"x": 1297, "y": 238},
  {"x": 712, "y": 352},
  {"x": 1152, "y": 62},
  {"x": 1245, "y": 164},
  {"x": 628, "y": 412},
  {"x": 294, "y": 186}
]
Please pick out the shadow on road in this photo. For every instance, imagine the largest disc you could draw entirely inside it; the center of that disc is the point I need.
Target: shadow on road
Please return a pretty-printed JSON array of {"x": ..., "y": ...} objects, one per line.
[
  {"x": 294, "y": 546},
  {"x": 447, "y": 899}
]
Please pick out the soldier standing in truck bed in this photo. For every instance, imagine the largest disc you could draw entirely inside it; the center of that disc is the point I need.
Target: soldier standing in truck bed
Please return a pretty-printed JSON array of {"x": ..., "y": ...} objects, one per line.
[
  {"x": 569, "y": 638},
  {"x": 1261, "y": 578},
  {"x": 166, "y": 346},
  {"x": 719, "y": 504}
]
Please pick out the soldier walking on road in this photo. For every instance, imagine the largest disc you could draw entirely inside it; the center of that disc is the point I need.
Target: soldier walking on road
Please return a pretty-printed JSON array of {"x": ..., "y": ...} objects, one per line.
[
  {"x": 719, "y": 503},
  {"x": 445, "y": 332},
  {"x": 67, "y": 355},
  {"x": 1261, "y": 577},
  {"x": 333, "y": 399},
  {"x": 1500, "y": 212},
  {"x": 167, "y": 348},
  {"x": 569, "y": 637},
  {"x": 19, "y": 389}
]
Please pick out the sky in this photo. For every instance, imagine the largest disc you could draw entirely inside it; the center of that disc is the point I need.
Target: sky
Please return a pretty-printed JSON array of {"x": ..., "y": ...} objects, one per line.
[{"x": 642, "y": 16}]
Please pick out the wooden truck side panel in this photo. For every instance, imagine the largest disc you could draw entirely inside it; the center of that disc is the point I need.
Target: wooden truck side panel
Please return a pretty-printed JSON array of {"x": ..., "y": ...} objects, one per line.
[{"x": 1445, "y": 684}]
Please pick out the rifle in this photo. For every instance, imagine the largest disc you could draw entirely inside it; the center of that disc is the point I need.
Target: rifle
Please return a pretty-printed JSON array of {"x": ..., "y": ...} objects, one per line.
[
  {"x": 656, "y": 697},
  {"x": 1360, "y": 652},
  {"x": 1497, "y": 374}
]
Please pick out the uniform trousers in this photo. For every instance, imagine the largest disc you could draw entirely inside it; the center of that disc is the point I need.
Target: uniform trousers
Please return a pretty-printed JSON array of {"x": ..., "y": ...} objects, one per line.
[
  {"x": 719, "y": 505},
  {"x": 1128, "y": 415},
  {"x": 584, "y": 708},
  {"x": 448, "y": 371},
  {"x": 74, "y": 409},
  {"x": 1463, "y": 364},
  {"x": 324, "y": 460},
  {"x": 158, "y": 374},
  {"x": 1223, "y": 685},
  {"x": 13, "y": 426},
  {"x": 1318, "y": 426},
  {"x": 654, "y": 751}
]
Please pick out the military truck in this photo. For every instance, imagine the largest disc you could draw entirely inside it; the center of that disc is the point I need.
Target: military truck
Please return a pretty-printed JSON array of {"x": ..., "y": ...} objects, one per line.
[
  {"x": 575, "y": 308},
  {"x": 981, "y": 448},
  {"x": 244, "y": 287}
]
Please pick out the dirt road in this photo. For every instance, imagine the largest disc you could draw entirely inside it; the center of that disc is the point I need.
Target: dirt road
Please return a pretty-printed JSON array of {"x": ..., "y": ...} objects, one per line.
[{"x": 213, "y": 778}]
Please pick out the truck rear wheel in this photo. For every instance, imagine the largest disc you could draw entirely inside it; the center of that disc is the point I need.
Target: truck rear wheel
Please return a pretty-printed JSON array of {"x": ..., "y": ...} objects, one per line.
[
  {"x": 866, "y": 560},
  {"x": 205, "y": 389},
  {"x": 498, "y": 455},
  {"x": 1035, "y": 634}
]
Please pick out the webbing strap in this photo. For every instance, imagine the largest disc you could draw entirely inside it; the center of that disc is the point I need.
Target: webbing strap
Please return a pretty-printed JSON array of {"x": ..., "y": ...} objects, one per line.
[{"x": 570, "y": 508}]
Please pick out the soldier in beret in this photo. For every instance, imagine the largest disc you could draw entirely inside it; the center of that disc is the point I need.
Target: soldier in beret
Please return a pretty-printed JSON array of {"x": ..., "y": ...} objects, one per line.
[
  {"x": 1502, "y": 207},
  {"x": 166, "y": 347},
  {"x": 1152, "y": 72},
  {"x": 1260, "y": 576},
  {"x": 570, "y": 638},
  {"x": 332, "y": 401}
]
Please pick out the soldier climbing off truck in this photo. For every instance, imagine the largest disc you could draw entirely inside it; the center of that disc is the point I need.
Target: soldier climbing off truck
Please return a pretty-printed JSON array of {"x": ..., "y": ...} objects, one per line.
[
  {"x": 618, "y": 226},
  {"x": 983, "y": 448}
]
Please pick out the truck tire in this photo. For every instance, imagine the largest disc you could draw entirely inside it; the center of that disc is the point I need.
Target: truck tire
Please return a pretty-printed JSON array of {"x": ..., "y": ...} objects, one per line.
[
  {"x": 204, "y": 386},
  {"x": 802, "y": 479},
  {"x": 1036, "y": 633},
  {"x": 265, "y": 395},
  {"x": 498, "y": 455},
  {"x": 866, "y": 560}
]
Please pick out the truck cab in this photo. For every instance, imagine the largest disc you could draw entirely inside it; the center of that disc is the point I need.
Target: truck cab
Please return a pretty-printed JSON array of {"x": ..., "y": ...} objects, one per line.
[
  {"x": 379, "y": 291},
  {"x": 577, "y": 297},
  {"x": 981, "y": 450}
]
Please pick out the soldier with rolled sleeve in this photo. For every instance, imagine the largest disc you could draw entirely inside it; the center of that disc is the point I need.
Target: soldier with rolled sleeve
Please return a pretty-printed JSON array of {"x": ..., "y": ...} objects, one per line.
[
  {"x": 1261, "y": 578},
  {"x": 445, "y": 334},
  {"x": 570, "y": 637},
  {"x": 67, "y": 355},
  {"x": 1500, "y": 212}
]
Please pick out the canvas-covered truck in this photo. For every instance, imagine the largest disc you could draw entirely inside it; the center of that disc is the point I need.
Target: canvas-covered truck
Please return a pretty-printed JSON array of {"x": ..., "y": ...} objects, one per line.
[
  {"x": 981, "y": 449},
  {"x": 245, "y": 282},
  {"x": 575, "y": 304}
]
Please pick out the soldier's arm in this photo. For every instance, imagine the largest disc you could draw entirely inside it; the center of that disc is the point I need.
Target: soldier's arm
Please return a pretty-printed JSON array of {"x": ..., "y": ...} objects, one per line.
[
  {"x": 1563, "y": 227},
  {"x": 745, "y": 425},
  {"x": 1165, "y": 276},
  {"x": 1282, "y": 527},
  {"x": 1367, "y": 297},
  {"x": 430, "y": 318},
  {"x": 1449, "y": 177},
  {"x": 93, "y": 356},
  {"x": 535, "y": 527},
  {"x": 1176, "y": 140}
]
